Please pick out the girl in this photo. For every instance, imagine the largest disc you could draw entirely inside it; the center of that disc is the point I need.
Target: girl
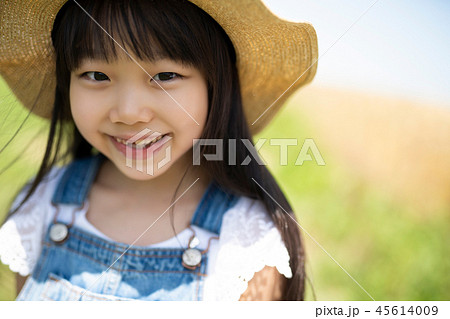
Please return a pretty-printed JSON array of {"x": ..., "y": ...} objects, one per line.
[{"x": 140, "y": 91}]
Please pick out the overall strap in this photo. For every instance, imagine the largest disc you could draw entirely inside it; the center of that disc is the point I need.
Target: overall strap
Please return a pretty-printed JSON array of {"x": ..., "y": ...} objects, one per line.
[
  {"x": 77, "y": 180},
  {"x": 213, "y": 205}
]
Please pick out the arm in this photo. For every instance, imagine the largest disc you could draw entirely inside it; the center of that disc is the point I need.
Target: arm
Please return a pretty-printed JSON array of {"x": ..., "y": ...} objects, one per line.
[
  {"x": 20, "y": 281},
  {"x": 267, "y": 284}
]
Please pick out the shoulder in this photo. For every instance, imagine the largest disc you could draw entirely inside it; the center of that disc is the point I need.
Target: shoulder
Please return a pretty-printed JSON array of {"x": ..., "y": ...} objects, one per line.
[
  {"x": 249, "y": 246},
  {"x": 41, "y": 197},
  {"x": 43, "y": 191},
  {"x": 249, "y": 224},
  {"x": 21, "y": 234}
]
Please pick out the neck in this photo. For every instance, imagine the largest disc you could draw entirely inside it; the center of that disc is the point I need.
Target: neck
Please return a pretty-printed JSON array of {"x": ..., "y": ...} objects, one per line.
[{"x": 161, "y": 187}]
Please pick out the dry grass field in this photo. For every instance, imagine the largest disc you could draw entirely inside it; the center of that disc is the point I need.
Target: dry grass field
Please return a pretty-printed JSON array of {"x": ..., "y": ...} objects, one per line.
[{"x": 400, "y": 146}]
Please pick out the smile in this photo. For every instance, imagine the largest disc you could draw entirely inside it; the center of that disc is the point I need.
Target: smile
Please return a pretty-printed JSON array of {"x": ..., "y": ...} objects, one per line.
[
  {"x": 143, "y": 143},
  {"x": 142, "y": 148}
]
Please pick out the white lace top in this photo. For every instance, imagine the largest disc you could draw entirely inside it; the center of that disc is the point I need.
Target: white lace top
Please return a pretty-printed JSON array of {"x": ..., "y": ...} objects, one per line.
[{"x": 248, "y": 240}]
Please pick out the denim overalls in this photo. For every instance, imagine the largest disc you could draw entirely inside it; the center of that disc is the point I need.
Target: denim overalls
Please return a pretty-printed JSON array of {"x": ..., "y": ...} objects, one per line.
[{"x": 77, "y": 269}]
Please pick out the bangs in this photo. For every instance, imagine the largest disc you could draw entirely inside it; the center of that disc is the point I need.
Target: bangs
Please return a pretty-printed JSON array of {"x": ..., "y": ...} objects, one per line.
[{"x": 147, "y": 30}]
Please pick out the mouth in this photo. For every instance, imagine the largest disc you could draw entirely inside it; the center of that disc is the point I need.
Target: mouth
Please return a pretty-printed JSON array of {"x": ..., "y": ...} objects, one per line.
[{"x": 142, "y": 143}]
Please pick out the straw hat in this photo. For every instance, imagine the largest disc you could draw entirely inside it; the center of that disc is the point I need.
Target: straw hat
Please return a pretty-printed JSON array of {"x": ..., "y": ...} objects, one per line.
[{"x": 273, "y": 53}]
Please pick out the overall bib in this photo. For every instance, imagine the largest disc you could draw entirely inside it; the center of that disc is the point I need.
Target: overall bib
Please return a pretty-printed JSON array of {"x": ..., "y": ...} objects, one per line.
[{"x": 87, "y": 267}]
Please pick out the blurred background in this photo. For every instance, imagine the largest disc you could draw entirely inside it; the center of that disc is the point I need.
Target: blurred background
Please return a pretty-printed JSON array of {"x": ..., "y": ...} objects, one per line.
[{"x": 379, "y": 113}]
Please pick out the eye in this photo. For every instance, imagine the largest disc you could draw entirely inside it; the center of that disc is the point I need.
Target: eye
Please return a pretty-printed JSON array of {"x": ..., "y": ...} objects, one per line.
[
  {"x": 96, "y": 76},
  {"x": 166, "y": 76}
]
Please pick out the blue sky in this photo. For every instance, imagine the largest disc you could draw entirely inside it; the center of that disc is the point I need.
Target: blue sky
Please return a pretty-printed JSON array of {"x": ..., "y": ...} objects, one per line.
[{"x": 399, "y": 47}]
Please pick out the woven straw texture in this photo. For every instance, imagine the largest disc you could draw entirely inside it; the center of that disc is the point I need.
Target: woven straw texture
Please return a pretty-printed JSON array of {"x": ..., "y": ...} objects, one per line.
[{"x": 272, "y": 53}]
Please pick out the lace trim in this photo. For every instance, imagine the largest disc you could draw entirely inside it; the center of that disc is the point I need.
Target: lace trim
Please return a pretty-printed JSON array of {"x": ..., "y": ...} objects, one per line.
[
  {"x": 12, "y": 251},
  {"x": 249, "y": 241},
  {"x": 21, "y": 235}
]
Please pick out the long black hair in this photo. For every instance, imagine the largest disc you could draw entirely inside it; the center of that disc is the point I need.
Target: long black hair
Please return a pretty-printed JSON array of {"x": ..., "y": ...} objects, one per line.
[{"x": 178, "y": 30}]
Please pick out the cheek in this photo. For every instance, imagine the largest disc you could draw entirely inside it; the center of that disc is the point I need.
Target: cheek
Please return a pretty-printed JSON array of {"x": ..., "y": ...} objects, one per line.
[
  {"x": 194, "y": 100},
  {"x": 203, "y": 107},
  {"x": 192, "y": 109},
  {"x": 198, "y": 106},
  {"x": 76, "y": 108},
  {"x": 82, "y": 109}
]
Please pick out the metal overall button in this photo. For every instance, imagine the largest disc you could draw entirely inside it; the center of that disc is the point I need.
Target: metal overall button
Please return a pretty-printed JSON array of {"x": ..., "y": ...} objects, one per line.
[
  {"x": 192, "y": 257},
  {"x": 59, "y": 232}
]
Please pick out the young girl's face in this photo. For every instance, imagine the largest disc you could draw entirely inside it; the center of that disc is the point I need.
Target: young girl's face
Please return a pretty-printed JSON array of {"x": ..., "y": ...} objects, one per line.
[{"x": 118, "y": 99}]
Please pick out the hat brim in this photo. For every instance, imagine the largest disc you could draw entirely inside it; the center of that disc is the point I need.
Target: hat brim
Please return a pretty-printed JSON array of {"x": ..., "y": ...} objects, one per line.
[{"x": 274, "y": 57}]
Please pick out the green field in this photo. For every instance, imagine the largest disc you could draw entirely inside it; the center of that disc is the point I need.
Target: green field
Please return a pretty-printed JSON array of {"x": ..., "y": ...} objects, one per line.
[{"x": 390, "y": 249}]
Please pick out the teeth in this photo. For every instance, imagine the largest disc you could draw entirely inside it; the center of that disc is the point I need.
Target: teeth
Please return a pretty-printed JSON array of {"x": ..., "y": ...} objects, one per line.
[
  {"x": 139, "y": 144},
  {"x": 120, "y": 140}
]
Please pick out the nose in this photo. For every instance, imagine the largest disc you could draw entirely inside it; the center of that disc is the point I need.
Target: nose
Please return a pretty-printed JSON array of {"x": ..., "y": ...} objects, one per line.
[{"x": 130, "y": 107}]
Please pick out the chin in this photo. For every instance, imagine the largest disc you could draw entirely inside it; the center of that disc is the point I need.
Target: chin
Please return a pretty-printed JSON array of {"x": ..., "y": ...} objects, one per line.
[{"x": 142, "y": 173}]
